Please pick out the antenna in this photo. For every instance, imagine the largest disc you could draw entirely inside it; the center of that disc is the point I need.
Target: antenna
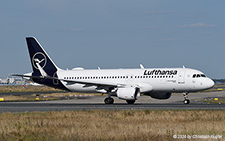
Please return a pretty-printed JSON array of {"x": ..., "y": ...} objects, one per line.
[{"x": 142, "y": 67}]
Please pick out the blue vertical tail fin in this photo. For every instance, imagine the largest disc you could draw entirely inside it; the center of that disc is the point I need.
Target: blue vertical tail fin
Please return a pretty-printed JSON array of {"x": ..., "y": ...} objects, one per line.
[
  {"x": 44, "y": 69},
  {"x": 41, "y": 63}
]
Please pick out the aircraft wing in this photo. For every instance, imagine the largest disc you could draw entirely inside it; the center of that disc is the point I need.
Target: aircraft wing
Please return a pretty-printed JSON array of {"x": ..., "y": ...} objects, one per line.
[
  {"x": 95, "y": 83},
  {"x": 107, "y": 84},
  {"x": 144, "y": 87}
]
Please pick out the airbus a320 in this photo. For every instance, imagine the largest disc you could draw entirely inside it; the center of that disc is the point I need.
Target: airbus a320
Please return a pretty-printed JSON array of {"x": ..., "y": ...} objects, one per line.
[{"x": 126, "y": 84}]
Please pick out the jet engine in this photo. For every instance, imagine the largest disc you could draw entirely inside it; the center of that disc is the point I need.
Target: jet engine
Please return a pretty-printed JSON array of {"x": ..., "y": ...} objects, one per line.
[
  {"x": 160, "y": 95},
  {"x": 128, "y": 93}
]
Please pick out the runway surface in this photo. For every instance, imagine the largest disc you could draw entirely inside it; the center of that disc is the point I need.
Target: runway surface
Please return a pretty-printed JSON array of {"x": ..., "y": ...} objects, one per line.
[
  {"x": 23, "y": 107},
  {"x": 145, "y": 102}
]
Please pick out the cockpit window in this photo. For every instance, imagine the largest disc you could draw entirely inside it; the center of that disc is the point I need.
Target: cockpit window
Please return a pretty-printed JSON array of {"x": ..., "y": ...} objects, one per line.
[
  {"x": 202, "y": 75},
  {"x": 198, "y": 75}
]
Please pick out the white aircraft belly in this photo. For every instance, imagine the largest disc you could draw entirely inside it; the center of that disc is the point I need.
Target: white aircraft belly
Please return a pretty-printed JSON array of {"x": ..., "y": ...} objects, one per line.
[{"x": 80, "y": 88}]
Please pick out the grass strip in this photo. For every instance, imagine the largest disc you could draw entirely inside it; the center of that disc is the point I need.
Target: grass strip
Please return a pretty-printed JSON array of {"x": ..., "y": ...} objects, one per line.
[{"x": 111, "y": 124}]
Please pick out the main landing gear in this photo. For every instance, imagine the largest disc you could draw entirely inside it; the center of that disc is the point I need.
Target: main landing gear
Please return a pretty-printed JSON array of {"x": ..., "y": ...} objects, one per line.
[
  {"x": 109, "y": 100},
  {"x": 186, "y": 100},
  {"x": 130, "y": 101}
]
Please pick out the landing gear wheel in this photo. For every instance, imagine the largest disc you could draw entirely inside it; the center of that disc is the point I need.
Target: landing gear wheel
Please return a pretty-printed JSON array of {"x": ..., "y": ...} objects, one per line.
[
  {"x": 130, "y": 101},
  {"x": 109, "y": 101},
  {"x": 186, "y": 101}
]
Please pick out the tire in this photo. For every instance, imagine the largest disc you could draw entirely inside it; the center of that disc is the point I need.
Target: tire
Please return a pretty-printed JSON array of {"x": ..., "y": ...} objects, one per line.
[
  {"x": 130, "y": 101},
  {"x": 186, "y": 101},
  {"x": 109, "y": 101}
]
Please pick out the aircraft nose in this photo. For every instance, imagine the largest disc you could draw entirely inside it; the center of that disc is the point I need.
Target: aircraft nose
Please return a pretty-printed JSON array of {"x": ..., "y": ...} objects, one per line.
[{"x": 210, "y": 83}]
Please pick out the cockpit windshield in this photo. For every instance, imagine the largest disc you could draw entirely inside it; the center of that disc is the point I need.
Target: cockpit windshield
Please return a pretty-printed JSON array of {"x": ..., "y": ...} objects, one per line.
[
  {"x": 202, "y": 75},
  {"x": 198, "y": 75}
]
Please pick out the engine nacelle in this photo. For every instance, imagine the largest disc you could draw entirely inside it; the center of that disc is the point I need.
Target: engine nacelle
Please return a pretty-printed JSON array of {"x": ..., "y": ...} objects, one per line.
[
  {"x": 130, "y": 93},
  {"x": 160, "y": 95}
]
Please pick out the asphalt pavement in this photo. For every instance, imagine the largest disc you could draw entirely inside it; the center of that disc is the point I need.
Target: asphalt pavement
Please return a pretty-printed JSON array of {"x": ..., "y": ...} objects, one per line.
[{"x": 97, "y": 102}]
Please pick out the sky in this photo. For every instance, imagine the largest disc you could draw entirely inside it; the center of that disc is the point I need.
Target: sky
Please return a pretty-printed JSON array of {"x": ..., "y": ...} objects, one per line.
[{"x": 113, "y": 34}]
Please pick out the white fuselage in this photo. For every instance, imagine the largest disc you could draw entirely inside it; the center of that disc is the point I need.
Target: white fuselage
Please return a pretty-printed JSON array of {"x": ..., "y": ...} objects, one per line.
[
  {"x": 126, "y": 84},
  {"x": 155, "y": 80}
]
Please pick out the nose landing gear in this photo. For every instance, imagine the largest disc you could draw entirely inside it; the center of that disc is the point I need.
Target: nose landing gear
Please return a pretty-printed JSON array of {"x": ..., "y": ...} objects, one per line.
[{"x": 186, "y": 100}]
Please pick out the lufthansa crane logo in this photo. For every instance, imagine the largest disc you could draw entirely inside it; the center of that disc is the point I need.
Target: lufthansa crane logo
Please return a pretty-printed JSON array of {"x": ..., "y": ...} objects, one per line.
[{"x": 39, "y": 58}]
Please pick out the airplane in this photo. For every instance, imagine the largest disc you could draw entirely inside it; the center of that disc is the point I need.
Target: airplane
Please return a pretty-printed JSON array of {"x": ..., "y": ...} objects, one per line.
[{"x": 126, "y": 84}]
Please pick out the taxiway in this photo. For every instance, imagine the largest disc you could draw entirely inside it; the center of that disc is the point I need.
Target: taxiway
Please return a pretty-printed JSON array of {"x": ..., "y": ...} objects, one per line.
[{"x": 96, "y": 102}]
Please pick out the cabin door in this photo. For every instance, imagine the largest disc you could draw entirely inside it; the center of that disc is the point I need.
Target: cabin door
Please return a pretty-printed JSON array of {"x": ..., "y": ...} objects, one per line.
[{"x": 181, "y": 77}]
